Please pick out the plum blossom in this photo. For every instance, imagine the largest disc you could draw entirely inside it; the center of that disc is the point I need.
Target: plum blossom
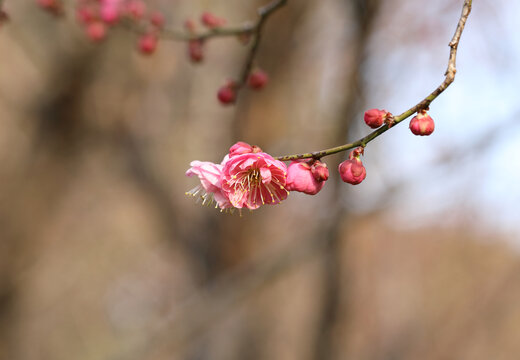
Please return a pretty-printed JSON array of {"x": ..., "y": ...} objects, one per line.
[
  {"x": 246, "y": 178},
  {"x": 210, "y": 188},
  {"x": 254, "y": 179}
]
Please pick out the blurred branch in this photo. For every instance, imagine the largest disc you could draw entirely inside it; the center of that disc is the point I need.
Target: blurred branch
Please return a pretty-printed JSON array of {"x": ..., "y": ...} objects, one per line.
[
  {"x": 423, "y": 105},
  {"x": 253, "y": 30},
  {"x": 264, "y": 13}
]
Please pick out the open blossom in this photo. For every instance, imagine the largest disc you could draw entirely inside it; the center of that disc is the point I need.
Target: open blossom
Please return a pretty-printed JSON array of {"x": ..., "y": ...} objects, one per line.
[
  {"x": 307, "y": 177},
  {"x": 210, "y": 188},
  {"x": 254, "y": 179},
  {"x": 246, "y": 178}
]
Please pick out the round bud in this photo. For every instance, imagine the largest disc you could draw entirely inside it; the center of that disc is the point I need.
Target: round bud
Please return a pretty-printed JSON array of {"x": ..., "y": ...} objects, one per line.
[
  {"x": 190, "y": 25},
  {"x": 320, "y": 171},
  {"x": 257, "y": 79},
  {"x": 227, "y": 93},
  {"x": 109, "y": 13},
  {"x": 375, "y": 118},
  {"x": 147, "y": 44},
  {"x": 352, "y": 171},
  {"x": 422, "y": 124},
  {"x": 136, "y": 9},
  {"x": 157, "y": 19},
  {"x": 96, "y": 31},
  {"x": 211, "y": 21},
  {"x": 85, "y": 15},
  {"x": 196, "y": 50}
]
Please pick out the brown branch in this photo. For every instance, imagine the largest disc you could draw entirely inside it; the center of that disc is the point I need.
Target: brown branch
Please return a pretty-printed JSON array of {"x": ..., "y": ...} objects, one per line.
[
  {"x": 264, "y": 14},
  {"x": 424, "y": 104}
]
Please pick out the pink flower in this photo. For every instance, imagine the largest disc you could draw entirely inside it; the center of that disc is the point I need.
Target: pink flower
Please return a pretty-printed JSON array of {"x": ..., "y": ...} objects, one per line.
[
  {"x": 254, "y": 179},
  {"x": 210, "y": 189},
  {"x": 307, "y": 177}
]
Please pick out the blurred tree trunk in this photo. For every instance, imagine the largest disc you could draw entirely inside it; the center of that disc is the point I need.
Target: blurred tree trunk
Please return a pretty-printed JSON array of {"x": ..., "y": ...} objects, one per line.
[{"x": 334, "y": 310}]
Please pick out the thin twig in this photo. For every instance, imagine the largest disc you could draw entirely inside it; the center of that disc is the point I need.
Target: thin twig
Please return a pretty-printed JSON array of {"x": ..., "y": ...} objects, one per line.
[
  {"x": 424, "y": 104},
  {"x": 264, "y": 14}
]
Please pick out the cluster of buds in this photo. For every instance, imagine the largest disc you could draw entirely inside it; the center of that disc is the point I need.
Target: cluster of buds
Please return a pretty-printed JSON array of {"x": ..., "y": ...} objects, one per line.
[
  {"x": 196, "y": 45},
  {"x": 227, "y": 93},
  {"x": 421, "y": 124},
  {"x": 98, "y": 16}
]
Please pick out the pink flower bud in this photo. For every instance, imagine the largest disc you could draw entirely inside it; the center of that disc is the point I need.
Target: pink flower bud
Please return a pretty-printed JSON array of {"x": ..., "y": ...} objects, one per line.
[
  {"x": 227, "y": 93},
  {"x": 243, "y": 148},
  {"x": 375, "y": 118},
  {"x": 211, "y": 21},
  {"x": 306, "y": 176},
  {"x": 85, "y": 15},
  {"x": 96, "y": 31},
  {"x": 352, "y": 171},
  {"x": 196, "y": 50},
  {"x": 320, "y": 171},
  {"x": 110, "y": 13},
  {"x": 257, "y": 79},
  {"x": 422, "y": 124},
  {"x": 53, "y": 6},
  {"x": 147, "y": 44},
  {"x": 157, "y": 19},
  {"x": 189, "y": 25},
  {"x": 136, "y": 9}
]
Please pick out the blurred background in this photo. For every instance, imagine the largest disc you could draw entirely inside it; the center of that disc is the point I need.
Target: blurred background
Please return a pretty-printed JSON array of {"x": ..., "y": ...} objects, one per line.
[{"x": 102, "y": 256}]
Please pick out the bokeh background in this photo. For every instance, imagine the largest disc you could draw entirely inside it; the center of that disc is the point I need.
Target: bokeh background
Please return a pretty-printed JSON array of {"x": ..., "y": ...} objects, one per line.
[{"x": 103, "y": 257}]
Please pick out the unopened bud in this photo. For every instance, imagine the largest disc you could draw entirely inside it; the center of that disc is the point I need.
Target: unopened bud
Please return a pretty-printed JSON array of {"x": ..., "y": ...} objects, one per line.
[
  {"x": 306, "y": 176},
  {"x": 227, "y": 93},
  {"x": 157, "y": 19},
  {"x": 375, "y": 118},
  {"x": 320, "y": 171},
  {"x": 422, "y": 124},
  {"x": 96, "y": 31},
  {"x": 147, "y": 44},
  {"x": 257, "y": 79},
  {"x": 352, "y": 171},
  {"x": 196, "y": 50},
  {"x": 212, "y": 21}
]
